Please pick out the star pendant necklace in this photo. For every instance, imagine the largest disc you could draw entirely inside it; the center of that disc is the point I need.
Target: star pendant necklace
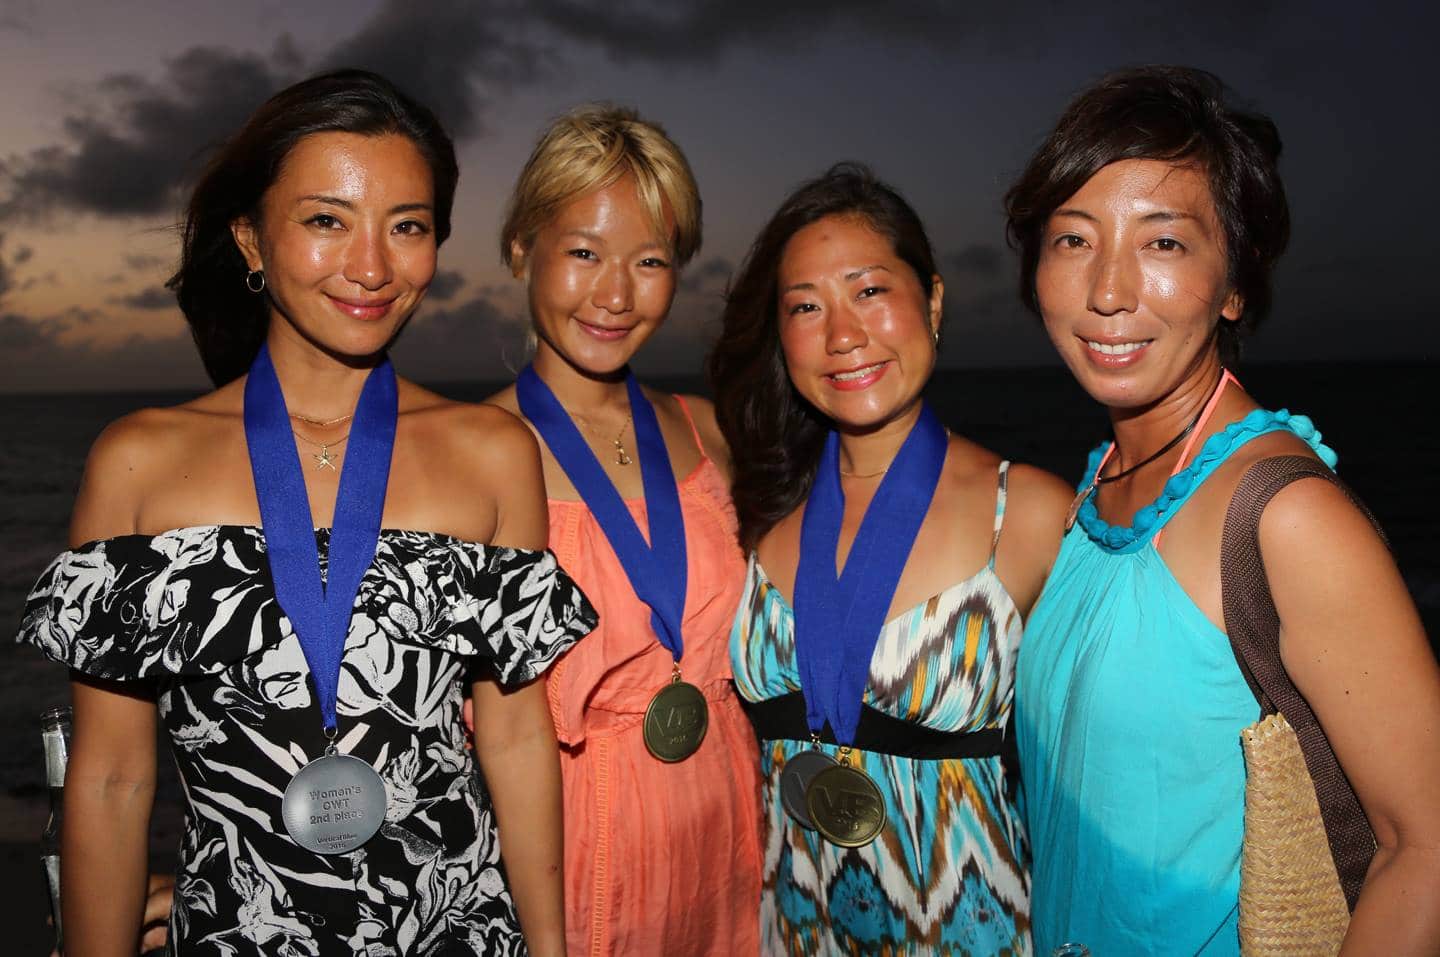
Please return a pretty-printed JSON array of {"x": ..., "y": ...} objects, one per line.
[{"x": 323, "y": 459}]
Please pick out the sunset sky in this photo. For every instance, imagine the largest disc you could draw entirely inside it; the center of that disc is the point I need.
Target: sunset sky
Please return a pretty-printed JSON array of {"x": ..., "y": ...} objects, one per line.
[{"x": 107, "y": 108}]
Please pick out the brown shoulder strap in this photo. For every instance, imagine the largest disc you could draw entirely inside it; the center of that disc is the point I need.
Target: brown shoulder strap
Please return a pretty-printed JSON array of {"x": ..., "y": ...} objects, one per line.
[{"x": 1254, "y": 629}]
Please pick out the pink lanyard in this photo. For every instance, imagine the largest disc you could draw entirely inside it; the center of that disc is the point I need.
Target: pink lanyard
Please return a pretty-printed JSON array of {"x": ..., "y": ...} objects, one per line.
[{"x": 1225, "y": 379}]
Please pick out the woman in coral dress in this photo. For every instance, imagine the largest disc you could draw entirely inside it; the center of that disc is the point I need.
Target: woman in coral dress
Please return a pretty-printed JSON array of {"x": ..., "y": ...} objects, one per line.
[{"x": 661, "y": 855}]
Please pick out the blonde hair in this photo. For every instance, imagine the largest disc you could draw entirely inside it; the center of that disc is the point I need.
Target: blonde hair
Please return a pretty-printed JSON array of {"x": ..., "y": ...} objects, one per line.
[{"x": 589, "y": 148}]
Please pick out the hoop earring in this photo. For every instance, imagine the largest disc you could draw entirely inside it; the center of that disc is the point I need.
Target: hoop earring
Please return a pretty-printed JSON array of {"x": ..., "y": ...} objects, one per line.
[{"x": 250, "y": 283}]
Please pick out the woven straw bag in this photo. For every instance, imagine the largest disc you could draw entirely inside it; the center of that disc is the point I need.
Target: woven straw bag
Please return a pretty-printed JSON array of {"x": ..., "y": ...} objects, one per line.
[
  {"x": 1290, "y": 896},
  {"x": 1307, "y": 841}
]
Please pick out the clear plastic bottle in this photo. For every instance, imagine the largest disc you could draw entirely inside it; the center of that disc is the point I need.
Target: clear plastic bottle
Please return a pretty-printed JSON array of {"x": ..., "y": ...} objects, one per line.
[
  {"x": 55, "y": 734},
  {"x": 1071, "y": 950}
]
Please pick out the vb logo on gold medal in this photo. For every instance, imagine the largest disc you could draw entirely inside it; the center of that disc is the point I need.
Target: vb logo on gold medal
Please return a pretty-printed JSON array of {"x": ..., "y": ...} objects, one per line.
[
  {"x": 676, "y": 721},
  {"x": 845, "y": 805}
]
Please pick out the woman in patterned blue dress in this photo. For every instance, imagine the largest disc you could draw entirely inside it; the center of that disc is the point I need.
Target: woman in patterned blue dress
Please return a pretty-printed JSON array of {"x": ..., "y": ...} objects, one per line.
[
  {"x": 313, "y": 232},
  {"x": 833, "y": 323}
]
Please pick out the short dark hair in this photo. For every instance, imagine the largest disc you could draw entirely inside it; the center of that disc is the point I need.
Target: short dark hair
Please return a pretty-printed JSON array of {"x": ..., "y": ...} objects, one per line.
[
  {"x": 1175, "y": 114},
  {"x": 775, "y": 436},
  {"x": 227, "y": 322}
]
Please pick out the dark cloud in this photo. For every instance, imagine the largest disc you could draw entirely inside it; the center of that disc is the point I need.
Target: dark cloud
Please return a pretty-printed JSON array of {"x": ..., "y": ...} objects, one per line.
[
  {"x": 481, "y": 338},
  {"x": 708, "y": 276},
  {"x": 455, "y": 56},
  {"x": 144, "y": 262},
  {"x": 22, "y": 254},
  {"x": 130, "y": 153},
  {"x": 153, "y": 297},
  {"x": 677, "y": 33},
  {"x": 131, "y": 143},
  {"x": 979, "y": 260},
  {"x": 19, "y": 335},
  {"x": 18, "y": 16},
  {"x": 41, "y": 358},
  {"x": 7, "y": 278},
  {"x": 445, "y": 285},
  {"x": 702, "y": 30}
]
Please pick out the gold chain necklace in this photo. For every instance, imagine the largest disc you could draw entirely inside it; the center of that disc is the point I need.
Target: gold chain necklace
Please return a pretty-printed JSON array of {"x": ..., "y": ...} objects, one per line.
[
  {"x": 322, "y": 423},
  {"x": 622, "y": 456},
  {"x": 323, "y": 459}
]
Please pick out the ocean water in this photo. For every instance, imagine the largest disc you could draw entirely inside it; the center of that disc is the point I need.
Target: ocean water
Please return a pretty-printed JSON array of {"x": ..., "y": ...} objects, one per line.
[{"x": 1387, "y": 453}]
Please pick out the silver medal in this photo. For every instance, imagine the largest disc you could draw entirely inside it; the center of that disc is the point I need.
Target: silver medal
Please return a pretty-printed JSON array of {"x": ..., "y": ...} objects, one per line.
[
  {"x": 795, "y": 779},
  {"x": 335, "y": 804}
]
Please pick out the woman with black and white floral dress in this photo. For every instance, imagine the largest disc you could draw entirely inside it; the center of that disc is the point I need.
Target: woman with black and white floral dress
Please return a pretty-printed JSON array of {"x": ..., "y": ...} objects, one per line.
[{"x": 329, "y": 205}]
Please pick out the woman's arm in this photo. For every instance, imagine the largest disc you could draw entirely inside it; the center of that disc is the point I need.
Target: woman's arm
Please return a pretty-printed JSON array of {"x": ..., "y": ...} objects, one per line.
[
  {"x": 110, "y": 780},
  {"x": 1354, "y": 646},
  {"x": 515, "y": 745},
  {"x": 109, "y": 789},
  {"x": 1030, "y": 536},
  {"x": 514, "y": 737}
]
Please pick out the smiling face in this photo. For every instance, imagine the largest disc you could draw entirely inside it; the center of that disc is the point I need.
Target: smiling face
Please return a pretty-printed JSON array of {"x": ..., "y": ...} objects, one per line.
[
  {"x": 1132, "y": 281},
  {"x": 856, "y": 326},
  {"x": 600, "y": 279},
  {"x": 346, "y": 240}
]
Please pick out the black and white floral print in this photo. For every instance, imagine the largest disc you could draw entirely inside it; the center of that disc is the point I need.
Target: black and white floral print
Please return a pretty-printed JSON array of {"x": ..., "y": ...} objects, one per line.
[{"x": 193, "y": 611}]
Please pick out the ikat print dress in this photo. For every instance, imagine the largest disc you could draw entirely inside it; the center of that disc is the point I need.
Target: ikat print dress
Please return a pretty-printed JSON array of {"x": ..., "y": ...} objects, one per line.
[
  {"x": 947, "y": 875},
  {"x": 192, "y": 613}
]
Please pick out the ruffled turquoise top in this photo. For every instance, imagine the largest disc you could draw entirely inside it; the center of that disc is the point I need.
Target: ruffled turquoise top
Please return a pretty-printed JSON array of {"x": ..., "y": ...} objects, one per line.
[{"x": 1128, "y": 707}]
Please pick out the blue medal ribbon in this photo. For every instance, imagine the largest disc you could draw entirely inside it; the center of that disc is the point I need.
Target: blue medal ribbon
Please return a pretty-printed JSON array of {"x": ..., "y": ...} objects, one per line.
[
  {"x": 657, "y": 570},
  {"x": 838, "y": 618},
  {"x": 319, "y": 610}
]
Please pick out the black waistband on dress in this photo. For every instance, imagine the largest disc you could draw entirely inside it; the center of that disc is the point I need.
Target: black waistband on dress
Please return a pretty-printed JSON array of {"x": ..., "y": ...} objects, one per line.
[{"x": 783, "y": 718}]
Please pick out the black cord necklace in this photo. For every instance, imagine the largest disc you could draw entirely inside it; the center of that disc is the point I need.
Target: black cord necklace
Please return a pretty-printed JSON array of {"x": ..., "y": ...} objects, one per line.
[
  {"x": 1097, "y": 481},
  {"x": 1180, "y": 437}
]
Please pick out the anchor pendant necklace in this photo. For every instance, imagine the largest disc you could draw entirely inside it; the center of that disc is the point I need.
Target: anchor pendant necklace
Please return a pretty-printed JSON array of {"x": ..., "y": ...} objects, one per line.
[{"x": 622, "y": 457}]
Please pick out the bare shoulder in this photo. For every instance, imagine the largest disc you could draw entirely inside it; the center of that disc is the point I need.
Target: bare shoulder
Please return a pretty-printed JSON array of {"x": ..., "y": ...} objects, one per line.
[
  {"x": 478, "y": 434},
  {"x": 137, "y": 455},
  {"x": 505, "y": 399},
  {"x": 156, "y": 439},
  {"x": 970, "y": 462},
  {"x": 1314, "y": 516},
  {"x": 702, "y": 413},
  {"x": 1038, "y": 494},
  {"x": 1036, "y": 501}
]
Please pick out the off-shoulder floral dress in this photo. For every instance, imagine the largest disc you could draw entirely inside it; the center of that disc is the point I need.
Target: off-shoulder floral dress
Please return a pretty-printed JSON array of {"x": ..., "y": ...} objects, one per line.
[{"x": 193, "y": 613}]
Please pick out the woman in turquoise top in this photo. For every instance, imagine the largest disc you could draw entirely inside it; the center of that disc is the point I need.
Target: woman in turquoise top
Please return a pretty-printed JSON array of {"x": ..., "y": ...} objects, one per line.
[{"x": 1148, "y": 224}]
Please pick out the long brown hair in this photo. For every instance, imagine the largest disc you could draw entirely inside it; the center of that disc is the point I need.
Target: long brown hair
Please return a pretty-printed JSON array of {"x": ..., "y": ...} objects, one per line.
[{"x": 775, "y": 436}]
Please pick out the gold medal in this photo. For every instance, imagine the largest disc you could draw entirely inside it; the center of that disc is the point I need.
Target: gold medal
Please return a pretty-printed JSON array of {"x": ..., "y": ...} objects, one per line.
[
  {"x": 676, "y": 721},
  {"x": 845, "y": 805}
]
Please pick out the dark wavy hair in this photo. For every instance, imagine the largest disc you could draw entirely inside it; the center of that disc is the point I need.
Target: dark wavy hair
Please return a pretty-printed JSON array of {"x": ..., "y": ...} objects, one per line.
[
  {"x": 775, "y": 436},
  {"x": 228, "y": 322},
  {"x": 1178, "y": 115}
]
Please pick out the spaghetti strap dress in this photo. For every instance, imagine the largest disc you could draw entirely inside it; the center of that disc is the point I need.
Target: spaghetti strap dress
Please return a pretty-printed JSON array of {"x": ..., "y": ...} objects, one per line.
[
  {"x": 659, "y": 858},
  {"x": 192, "y": 614},
  {"x": 947, "y": 874},
  {"x": 1129, "y": 708}
]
